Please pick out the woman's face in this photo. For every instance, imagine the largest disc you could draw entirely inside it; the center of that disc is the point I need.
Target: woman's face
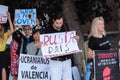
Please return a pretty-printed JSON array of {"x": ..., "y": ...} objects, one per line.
[
  {"x": 101, "y": 26},
  {"x": 36, "y": 36}
]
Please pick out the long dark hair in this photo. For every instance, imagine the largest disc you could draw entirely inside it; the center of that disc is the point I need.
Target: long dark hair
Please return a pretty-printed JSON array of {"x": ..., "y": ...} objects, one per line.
[
  {"x": 17, "y": 39},
  {"x": 1, "y": 31}
]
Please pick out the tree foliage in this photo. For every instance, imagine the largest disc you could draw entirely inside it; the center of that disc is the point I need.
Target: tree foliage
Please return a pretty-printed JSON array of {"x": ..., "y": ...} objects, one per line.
[{"x": 86, "y": 9}]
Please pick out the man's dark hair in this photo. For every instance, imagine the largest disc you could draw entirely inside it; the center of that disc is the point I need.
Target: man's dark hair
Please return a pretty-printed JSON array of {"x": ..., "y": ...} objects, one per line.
[{"x": 57, "y": 15}]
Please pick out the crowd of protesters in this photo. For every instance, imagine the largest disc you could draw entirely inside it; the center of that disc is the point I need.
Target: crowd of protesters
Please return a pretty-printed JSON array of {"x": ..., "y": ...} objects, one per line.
[
  {"x": 18, "y": 44},
  {"x": 27, "y": 41}
]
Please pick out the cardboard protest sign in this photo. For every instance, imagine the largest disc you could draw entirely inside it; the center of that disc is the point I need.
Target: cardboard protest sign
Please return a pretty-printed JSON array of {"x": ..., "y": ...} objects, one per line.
[
  {"x": 106, "y": 65},
  {"x": 33, "y": 68},
  {"x": 58, "y": 44},
  {"x": 3, "y": 13},
  {"x": 25, "y": 16}
]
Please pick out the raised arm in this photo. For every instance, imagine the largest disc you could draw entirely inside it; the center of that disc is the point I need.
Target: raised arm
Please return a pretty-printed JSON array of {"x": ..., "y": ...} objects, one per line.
[
  {"x": 10, "y": 24},
  {"x": 38, "y": 23}
]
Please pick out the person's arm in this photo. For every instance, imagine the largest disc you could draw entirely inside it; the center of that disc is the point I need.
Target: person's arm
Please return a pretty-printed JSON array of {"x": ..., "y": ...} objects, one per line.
[
  {"x": 38, "y": 23},
  {"x": 14, "y": 25},
  {"x": 10, "y": 24}
]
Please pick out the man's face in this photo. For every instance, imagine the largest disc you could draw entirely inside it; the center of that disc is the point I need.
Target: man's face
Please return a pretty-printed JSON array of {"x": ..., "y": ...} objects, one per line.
[
  {"x": 27, "y": 30},
  {"x": 58, "y": 23}
]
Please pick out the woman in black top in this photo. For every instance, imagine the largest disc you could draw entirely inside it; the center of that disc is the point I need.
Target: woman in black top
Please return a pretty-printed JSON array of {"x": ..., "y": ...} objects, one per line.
[{"x": 97, "y": 41}]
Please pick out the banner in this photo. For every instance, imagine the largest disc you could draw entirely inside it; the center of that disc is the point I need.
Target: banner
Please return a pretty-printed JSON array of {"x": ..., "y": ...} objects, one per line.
[
  {"x": 3, "y": 14},
  {"x": 58, "y": 44},
  {"x": 106, "y": 65},
  {"x": 25, "y": 16},
  {"x": 33, "y": 68}
]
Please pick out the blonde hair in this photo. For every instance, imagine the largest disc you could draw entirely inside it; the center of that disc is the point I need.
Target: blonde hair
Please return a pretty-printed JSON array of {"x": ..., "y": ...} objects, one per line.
[{"x": 94, "y": 25}]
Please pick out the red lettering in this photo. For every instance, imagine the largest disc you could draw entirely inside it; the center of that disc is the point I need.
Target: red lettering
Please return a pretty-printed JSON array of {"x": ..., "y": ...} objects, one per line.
[
  {"x": 54, "y": 40},
  {"x": 2, "y": 19},
  {"x": 71, "y": 37},
  {"x": 61, "y": 38},
  {"x": 49, "y": 40},
  {"x": 46, "y": 40},
  {"x": 65, "y": 37},
  {"x": 103, "y": 56}
]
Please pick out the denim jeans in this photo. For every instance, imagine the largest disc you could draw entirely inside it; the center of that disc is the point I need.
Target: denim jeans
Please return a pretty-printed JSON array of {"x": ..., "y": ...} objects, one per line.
[{"x": 87, "y": 72}]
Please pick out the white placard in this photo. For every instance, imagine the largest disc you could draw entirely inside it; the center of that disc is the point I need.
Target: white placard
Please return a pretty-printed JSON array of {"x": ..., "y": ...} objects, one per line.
[
  {"x": 33, "y": 68},
  {"x": 58, "y": 44},
  {"x": 3, "y": 15}
]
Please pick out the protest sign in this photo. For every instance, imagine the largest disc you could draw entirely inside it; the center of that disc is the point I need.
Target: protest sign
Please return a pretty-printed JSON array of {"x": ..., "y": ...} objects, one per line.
[
  {"x": 3, "y": 13},
  {"x": 33, "y": 68},
  {"x": 58, "y": 44},
  {"x": 106, "y": 65},
  {"x": 25, "y": 16}
]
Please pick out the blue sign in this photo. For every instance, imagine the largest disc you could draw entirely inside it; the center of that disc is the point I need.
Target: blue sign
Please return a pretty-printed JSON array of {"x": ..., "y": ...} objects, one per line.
[{"x": 25, "y": 16}]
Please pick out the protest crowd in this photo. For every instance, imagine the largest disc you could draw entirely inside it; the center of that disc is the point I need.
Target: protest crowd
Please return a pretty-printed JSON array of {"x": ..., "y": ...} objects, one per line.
[{"x": 29, "y": 53}]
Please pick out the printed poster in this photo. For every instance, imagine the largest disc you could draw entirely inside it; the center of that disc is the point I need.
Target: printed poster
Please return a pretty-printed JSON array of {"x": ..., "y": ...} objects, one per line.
[
  {"x": 59, "y": 44},
  {"x": 25, "y": 16},
  {"x": 106, "y": 65}
]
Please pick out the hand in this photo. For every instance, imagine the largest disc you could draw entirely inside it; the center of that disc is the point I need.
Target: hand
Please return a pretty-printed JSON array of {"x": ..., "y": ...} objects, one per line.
[
  {"x": 77, "y": 38},
  {"x": 8, "y": 15},
  {"x": 37, "y": 22},
  {"x": 91, "y": 54},
  {"x": 39, "y": 44}
]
